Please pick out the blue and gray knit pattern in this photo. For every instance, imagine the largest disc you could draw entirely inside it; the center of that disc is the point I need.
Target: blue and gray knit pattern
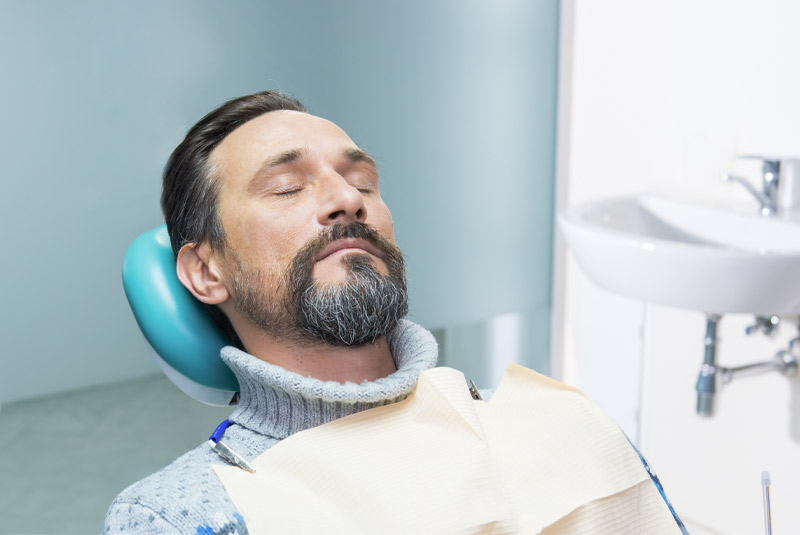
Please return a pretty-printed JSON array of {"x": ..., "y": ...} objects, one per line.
[{"x": 187, "y": 497}]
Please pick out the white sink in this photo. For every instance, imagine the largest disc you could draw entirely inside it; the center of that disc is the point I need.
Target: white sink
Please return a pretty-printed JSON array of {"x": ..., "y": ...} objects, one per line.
[{"x": 687, "y": 255}]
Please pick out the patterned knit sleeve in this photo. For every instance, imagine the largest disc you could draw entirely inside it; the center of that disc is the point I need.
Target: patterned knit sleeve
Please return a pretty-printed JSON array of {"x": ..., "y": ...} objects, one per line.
[
  {"x": 136, "y": 518},
  {"x": 133, "y": 516}
]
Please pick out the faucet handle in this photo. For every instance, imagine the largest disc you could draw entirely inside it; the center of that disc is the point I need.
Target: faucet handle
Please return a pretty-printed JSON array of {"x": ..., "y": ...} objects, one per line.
[
  {"x": 770, "y": 172},
  {"x": 770, "y": 175},
  {"x": 767, "y": 203},
  {"x": 781, "y": 181}
]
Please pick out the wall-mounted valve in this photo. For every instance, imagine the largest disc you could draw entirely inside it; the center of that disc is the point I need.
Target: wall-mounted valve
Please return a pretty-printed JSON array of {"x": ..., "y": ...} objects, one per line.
[
  {"x": 764, "y": 324},
  {"x": 711, "y": 375}
]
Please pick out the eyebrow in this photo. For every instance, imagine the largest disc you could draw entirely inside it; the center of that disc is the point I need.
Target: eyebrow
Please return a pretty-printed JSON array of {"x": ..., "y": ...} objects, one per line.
[
  {"x": 285, "y": 157},
  {"x": 358, "y": 155}
]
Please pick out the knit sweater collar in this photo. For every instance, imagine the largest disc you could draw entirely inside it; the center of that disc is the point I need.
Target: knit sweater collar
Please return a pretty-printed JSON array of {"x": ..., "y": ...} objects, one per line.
[{"x": 278, "y": 403}]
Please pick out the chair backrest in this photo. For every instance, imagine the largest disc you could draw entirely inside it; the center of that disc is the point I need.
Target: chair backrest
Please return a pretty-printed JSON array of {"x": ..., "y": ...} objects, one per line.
[{"x": 179, "y": 333}]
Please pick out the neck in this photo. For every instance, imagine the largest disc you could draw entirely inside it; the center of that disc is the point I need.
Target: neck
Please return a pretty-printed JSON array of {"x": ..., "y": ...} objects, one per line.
[
  {"x": 322, "y": 361},
  {"x": 278, "y": 403}
]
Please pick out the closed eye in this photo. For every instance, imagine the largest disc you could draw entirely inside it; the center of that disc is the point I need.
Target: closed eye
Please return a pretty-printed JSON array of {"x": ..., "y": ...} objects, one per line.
[
  {"x": 287, "y": 192},
  {"x": 364, "y": 185}
]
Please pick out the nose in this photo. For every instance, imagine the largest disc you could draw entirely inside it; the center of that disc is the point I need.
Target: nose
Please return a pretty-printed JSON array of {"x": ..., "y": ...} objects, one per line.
[{"x": 341, "y": 203}]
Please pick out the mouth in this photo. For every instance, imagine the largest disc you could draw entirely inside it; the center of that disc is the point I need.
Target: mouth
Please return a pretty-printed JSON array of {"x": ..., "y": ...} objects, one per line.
[{"x": 355, "y": 245}]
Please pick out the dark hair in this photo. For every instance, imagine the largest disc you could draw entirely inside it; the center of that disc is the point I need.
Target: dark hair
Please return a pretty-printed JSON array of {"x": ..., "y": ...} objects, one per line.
[{"x": 190, "y": 189}]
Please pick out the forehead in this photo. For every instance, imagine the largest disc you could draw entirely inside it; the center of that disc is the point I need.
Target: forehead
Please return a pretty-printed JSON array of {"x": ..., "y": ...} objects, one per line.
[{"x": 246, "y": 148}]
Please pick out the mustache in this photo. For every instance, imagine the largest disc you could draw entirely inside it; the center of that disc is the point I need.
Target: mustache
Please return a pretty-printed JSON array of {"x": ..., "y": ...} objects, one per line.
[{"x": 388, "y": 251}]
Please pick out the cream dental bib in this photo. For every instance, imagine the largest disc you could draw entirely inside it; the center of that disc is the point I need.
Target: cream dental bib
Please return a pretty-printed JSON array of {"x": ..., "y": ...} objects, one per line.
[{"x": 538, "y": 457}]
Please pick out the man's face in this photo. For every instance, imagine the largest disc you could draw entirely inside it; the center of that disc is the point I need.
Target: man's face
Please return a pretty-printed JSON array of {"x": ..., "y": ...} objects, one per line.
[{"x": 297, "y": 200}]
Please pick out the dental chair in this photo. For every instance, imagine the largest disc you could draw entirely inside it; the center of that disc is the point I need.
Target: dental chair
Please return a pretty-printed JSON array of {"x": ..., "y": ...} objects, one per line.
[{"x": 177, "y": 331}]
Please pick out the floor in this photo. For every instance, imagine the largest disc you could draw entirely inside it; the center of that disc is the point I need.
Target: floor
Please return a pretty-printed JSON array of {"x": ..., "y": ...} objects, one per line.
[{"x": 66, "y": 457}]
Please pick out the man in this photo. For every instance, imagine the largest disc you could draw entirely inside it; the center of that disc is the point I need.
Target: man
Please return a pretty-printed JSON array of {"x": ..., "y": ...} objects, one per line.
[{"x": 279, "y": 229}]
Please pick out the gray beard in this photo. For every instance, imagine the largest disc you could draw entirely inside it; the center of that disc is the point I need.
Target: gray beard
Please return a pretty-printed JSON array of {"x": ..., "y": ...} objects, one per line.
[{"x": 364, "y": 307}]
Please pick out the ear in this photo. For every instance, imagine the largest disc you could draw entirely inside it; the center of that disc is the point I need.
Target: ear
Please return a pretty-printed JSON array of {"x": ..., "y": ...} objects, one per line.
[{"x": 198, "y": 270}]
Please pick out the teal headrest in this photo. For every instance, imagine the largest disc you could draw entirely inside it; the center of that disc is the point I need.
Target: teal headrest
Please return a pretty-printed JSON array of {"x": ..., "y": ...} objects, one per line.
[{"x": 182, "y": 337}]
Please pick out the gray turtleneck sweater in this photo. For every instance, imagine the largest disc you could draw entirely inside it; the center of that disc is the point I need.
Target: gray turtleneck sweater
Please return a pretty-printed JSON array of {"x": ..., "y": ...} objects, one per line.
[{"x": 187, "y": 497}]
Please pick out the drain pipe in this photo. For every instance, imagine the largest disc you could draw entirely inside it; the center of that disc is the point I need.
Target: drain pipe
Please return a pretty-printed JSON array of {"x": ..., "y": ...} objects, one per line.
[
  {"x": 711, "y": 375},
  {"x": 707, "y": 380}
]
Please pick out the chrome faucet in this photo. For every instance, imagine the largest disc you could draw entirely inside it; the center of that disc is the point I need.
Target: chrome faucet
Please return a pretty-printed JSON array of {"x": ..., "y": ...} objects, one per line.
[{"x": 780, "y": 184}]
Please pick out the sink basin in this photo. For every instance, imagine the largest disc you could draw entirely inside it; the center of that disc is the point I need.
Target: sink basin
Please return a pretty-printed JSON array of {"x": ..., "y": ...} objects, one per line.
[{"x": 681, "y": 254}]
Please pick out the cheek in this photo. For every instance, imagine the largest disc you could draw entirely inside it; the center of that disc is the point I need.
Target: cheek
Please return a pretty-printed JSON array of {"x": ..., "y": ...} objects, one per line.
[
  {"x": 255, "y": 239},
  {"x": 276, "y": 238},
  {"x": 381, "y": 219}
]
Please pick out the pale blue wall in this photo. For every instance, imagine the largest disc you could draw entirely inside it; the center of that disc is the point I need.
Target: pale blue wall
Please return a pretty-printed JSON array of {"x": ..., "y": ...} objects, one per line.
[{"x": 455, "y": 99}]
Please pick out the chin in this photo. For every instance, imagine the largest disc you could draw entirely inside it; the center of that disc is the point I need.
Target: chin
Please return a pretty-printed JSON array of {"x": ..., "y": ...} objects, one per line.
[
  {"x": 338, "y": 271},
  {"x": 330, "y": 274}
]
